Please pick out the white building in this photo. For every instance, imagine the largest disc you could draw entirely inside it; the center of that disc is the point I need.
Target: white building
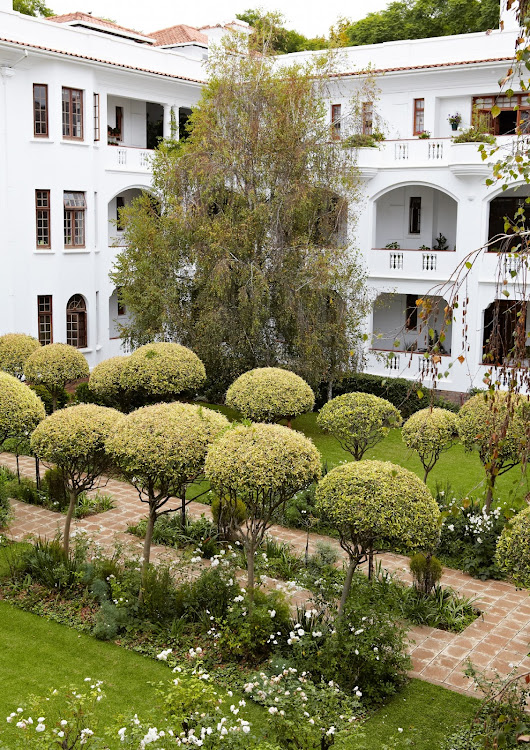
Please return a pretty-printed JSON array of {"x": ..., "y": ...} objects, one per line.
[{"x": 83, "y": 101}]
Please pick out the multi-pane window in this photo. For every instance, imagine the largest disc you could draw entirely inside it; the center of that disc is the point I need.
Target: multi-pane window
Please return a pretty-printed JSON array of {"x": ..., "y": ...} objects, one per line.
[
  {"x": 72, "y": 113},
  {"x": 419, "y": 120},
  {"x": 514, "y": 115},
  {"x": 415, "y": 216},
  {"x": 40, "y": 110},
  {"x": 368, "y": 116},
  {"x": 335, "y": 120},
  {"x": 96, "y": 117},
  {"x": 42, "y": 218},
  {"x": 45, "y": 319},
  {"x": 74, "y": 219},
  {"x": 76, "y": 322}
]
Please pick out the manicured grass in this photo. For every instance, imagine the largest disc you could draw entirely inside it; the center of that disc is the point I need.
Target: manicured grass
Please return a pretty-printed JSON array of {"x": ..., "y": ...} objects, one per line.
[{"x": 426, "y": 713}]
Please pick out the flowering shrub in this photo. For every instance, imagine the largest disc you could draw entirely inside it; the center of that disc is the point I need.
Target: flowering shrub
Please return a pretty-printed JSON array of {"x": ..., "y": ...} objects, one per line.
[
  {"x": 358, "y": 421},
  {"x": 513, "y": 549},
  {"x": 268, "y": 394},
  {"x": 53, "y": 366},
  {"x": 469, "y": 535},
  {"x": 74, "y": 440},
  {"x": 262, "y": 465},
  {"x": 375, "y": 505},
  {"x": 20, "y": 409},
  {"x": 161, "y": 370},
  {"x": 15, "y": 348},
  {"x": 497, "y": 428},
  {"x": 429, "y": 432}
]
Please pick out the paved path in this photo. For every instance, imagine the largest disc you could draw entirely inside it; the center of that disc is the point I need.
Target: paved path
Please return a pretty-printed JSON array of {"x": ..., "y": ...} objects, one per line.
[{"x": 498, "y": 640}]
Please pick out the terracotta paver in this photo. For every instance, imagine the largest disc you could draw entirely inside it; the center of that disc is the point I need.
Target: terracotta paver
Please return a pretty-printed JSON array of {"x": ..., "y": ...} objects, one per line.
[{"x": 499, "y": 639}]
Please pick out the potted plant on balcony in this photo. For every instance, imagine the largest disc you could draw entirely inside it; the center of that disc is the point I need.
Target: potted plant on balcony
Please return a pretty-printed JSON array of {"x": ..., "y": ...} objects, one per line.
[
  {"x": 455, "y": 120},
  {"x": 441, "y": 243},
  {"x": 425, "y": 134},
  {"x": 393, "y": 246},
  {"x": 113, "y": 136}
]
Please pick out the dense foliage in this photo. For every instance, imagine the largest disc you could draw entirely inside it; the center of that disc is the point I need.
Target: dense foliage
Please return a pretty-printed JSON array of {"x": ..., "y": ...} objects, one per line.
[
  {"x": 105, "y": 381},
  {"x": 429, "y": 432},
  {"x": 269, "y": 28},
  {"x": 15, "y": 348},
  {"x": 268, "y": 394},
  {"x": 20, "y": 409},
  {"x": 249, "y": 229},
  {"x": 513, "y": 549},
  {"x": 495, "y": 425},
  {"x": 358, "y": 421},
  {"x": 53, "y": 366},
  {"x": 376, "y": 505},
  {"x": 158, "y": 371},
  {"x": 32, "y": 8}
]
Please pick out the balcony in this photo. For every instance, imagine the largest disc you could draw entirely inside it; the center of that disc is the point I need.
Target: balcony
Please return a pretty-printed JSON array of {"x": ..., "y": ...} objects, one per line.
[
  {"x": 128, "y": 159},
  {"x": 410, "y": 365},
  {"x": 430, "y": 265}
]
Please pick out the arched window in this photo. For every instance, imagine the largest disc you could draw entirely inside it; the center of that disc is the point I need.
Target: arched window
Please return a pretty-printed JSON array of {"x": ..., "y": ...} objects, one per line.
[{"x": 76, "y": 322}]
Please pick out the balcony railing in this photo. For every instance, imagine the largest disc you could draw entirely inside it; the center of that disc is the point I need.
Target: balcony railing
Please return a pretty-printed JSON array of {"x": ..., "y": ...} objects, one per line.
[
  {"x": 129, "y": 159},
  {"x": 412, "y": 365},
  {"x": 411, "y": 263}
]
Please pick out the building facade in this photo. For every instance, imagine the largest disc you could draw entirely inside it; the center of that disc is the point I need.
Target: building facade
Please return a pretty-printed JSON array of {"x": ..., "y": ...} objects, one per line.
[{"x": 83, "y": 102}]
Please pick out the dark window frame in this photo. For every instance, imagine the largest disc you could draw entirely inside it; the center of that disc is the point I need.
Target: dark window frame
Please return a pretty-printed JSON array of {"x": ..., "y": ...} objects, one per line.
[
  {"x": 43, "y": 218},
  {"x": 97, "y": 118},
  {"x": 73, "y": 214},
  {"x": 415, "y": 215},
  {"x": 40, "y": 122},
  {"x": 76, "y": 322},
  {"x": 368, "y": 118},
  {"x": 336, "y": 116},
  {"x": 45, "y": 319},
  {"x": 69, "y": 123},
  {"x": 418, "y": 123},
  {"x": 411, "y": 313}
]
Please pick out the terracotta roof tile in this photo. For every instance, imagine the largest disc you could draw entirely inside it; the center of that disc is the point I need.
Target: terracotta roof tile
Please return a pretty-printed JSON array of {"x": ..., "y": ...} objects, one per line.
[
  {"x": 178, "y": 35},
  {"x": 427, "y": 66},
  {"x": 99, "y": 60},
  {"x": 87, "y": 18}
]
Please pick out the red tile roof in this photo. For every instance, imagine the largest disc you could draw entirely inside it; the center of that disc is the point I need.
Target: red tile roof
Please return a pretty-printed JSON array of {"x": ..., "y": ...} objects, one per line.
[
  {"x": 178, "y": 35},
  {"x": 427, "y": 66},
  {"x": 87, "y": 18},
  {"x": 99, "y": 60}
]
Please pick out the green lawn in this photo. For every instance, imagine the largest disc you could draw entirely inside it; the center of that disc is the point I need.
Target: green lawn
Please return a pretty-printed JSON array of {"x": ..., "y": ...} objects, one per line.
[{"x": 462, "y": 471}]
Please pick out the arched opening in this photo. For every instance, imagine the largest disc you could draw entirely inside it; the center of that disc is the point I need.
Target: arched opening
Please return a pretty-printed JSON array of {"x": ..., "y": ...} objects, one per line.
[
  {"x": 415, "y": 217},
  {"x": 506, "y": 332},
  {"x": 115, "y": 206},
  {"x": 398, "y": 325},
  {"x": 76, "y": 322},
  {"x": 510, "y": 207}
]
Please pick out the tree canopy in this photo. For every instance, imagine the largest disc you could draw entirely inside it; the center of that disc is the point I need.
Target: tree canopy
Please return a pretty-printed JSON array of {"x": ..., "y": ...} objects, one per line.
[
  {"x": 32, "y": 8},
  {"x": 282, "y": 40},
  {"x": 243, "y": 255},
  {"x": 270, "y": 393}
]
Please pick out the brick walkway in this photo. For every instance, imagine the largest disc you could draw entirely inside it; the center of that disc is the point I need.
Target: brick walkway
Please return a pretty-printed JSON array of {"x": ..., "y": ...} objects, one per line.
[{"x": 498, "y": 640}]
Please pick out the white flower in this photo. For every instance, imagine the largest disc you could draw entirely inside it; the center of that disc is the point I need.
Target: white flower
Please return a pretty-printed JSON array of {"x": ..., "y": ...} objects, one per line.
[
  {"x": 239, "y": 598},
  {"x": 273, "y": 710},
  {"x": 40, "y": 728},
  {"x": 164, "y": 654},
  {"x": 400, "y": 729},
  {"x": 451, "y": 526},
  {"x": 121, "y": 733},
  {"x": 272, "y": 613}
]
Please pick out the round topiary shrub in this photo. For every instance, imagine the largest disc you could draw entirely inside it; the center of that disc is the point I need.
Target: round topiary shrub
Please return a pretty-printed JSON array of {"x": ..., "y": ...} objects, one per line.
[
  {"x": 73, "y": 440},
  {"x": 429, "y": 432},
  {"x": 496, "y": 425},
  {"x": 358, "y": 421},
  {"x": 263, "y": 466},
  {"x": 268, "y": 394},
  {"x": 513, "y": 549},
  {"x": 105, "y": 381},
  {"x": 20, "y": 409},
  {"x": 53, "y": 366},
  {"x": 15, "y": 348},
  {"x": 376, "y": 505},
  {"x": 161, "y": 450},
  {"x": 161, "y": 371}
]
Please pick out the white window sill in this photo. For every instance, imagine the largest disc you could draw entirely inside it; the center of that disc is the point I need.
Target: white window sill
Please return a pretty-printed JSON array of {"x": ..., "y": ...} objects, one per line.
[
  {"x": 44, "y": 252},
  {"x": 73, "y": 251},
  {"x": 85, "y": 351},
  {"x": 75, "y": 143},
  {"x": 41, "y": 140}
]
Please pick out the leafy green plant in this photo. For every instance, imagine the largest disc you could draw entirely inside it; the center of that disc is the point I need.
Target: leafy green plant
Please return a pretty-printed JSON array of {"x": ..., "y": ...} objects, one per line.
[
  {"x": 474, "y": 135},
  {"x": 426, "y": 571},
  {"x": 360, "y": 140}
]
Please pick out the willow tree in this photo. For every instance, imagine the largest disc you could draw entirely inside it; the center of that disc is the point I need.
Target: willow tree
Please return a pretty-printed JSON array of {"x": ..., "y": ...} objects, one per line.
[{"x": 241, "y": 251}]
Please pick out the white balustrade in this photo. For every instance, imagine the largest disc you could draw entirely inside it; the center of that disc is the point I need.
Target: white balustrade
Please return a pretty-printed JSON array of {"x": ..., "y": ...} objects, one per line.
[{"x": 396, "y": 261}]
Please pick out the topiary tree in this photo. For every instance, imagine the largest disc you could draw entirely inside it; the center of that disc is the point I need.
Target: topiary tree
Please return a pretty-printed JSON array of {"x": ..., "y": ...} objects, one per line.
[
  {"x": 513, "y": 549},
  {"x": 358, "y": 421},
  {"x": 20, "y": 409},
  {"x": 429, "y": 432},
  {"x": 268, "y": 394},
  {"x": 496, "y": 425},
  {"x": 161, "y": 371},
  {"x": 105, "y": 382},
  {"x": 263, "y": 466},
  {"x": 161, "y": 451},
  {"x": 73, "y": 440},
  {"x": 375, "y": 505},
  {"x": 15, "y": 348},
  {"x": 53, "y": 366}
]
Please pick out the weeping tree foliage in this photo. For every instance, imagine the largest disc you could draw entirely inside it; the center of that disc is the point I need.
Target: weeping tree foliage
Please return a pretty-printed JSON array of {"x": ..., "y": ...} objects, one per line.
[{"x": 242, "y": 254}]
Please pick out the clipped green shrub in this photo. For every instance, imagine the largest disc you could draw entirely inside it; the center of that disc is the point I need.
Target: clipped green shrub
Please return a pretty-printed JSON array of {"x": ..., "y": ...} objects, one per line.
[
  {"x": 47, "y": 399},
  {"x": 358, "y": 421},
  {"x": 513, "y": 549},
  {"x": 84, "y": 395},
  {"x": 429, "y": 432},
  {"x": 53, "y": 366},
  {"x": 15, "y": 348},
  {"x": 105, "y": 383},
  {"x": 53, "y": 484},
  {"x": 426, "y": 571},
  {"x": 268, "y": 394},
  {"x": 158, "y": 371},
  {"x": 376, "y": 505},
  {"x": 20, "y": 409}
]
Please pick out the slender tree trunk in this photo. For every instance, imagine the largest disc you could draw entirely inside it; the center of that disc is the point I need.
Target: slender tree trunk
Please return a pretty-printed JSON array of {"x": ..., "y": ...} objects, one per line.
[
  {"x": 426, "y": 475},
  {"x": 306, "y": 554},
  {"x": 250, "y": 573},
  {"x": 54, "y": 402},
  {"x": 72, "y": 494},
  {"x": 289, "y": 423},
  {"x": 147, "y": 549},
  {"x": 347, "y": 585},
  {"x": 37, "y": 472},
  {"x": 489, "y": 496},
  {"x": 370, "y": 566},
  {"x": 183, "y": 509},
  {"x": 330, "y": 390},
  {"x": 18, "y": 468}
]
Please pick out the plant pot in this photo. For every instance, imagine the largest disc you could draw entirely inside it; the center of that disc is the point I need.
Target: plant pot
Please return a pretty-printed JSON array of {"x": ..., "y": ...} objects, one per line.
[{"x": 454, "y": 126}]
